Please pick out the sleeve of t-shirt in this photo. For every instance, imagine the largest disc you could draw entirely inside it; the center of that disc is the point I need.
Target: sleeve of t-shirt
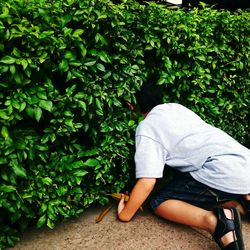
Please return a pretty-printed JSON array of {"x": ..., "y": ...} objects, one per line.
[{"x": 150, "y": 158}]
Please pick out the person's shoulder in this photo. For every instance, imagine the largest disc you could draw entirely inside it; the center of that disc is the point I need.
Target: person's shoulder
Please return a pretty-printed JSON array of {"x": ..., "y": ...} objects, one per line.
[
  {"x": 141, "y": 127},
  {"x": 146, "y": 126},
  {"x": 171, "y": 110}
]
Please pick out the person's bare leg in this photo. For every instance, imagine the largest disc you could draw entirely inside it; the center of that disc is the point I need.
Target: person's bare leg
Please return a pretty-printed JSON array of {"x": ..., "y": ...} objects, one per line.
[{"x": 187, "y": 214}]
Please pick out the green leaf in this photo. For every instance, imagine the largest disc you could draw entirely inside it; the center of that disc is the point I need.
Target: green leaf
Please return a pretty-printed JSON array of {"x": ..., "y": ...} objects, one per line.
[
  {"x": 4, "y": 69},
  {"x": 30, "y": 111},
  {"x": 47, "y": 181},
  {"x": 100, "y": 67},
  {"x": 98, "y": 176},
  {"x": 64, "y": 66},
  {"x": 22, "y": 106},
  {"x": 41, "y": 221},
  {"x": 83, "y": 50},
  {"x": 104, "y": 56},
  {"x": 12, "y": 69},
  {"x": 82, "y": 105},
  {"x": 88, "y": 153},
  {"x": 201, "y": 57},
  {"x": 91, "y": 162},
  {"x": 69, "y": 55},
  {"x": 78, "y": 32},
  {"x": 15, "y": 104},
  {"x": 24, "y": 64},
  {"x": 12, "y": 240},
  {"x": 3, "y": 115},
  {"x": 131, "y": 123},
  {"x": 98, "y": 103},
  {"x": 69, "y": 122},
  {"x": 27, "y": 196},
  {"x": 77, "y": 164},
  {"x": 21, "y": 145},
  {"x": 241, "y": 65},
  {"x": 62, "y": 190},
  {"x": 78, "y": 180},
  {"x": 8, "y": 60},
  {"x": 107, "y": 75},
  {"x": 5, "y": 132},
  {"x": 3, "y": 160},
  {"x": 18, "y": 77},
  {"x": 41, "y": 147},
  {"x": 42, "y": 95},
  {"x": 70, "y": 2},
  {"x": 47, "y": 105},
  {"x": 90, "y": 62},
  {"x": 34, "y": 100},
  {"x": 80, "y": 172},
  {"x": 19, "y": 170},
  {"x": 38, "y": 113},
  {"x": 99, "y": 37},
  {"x": 80, "y": 95},
  {"x": 7, "y": 188},
  {"x": 43, "y": 208},
  {"x": 50, "y": 223}
]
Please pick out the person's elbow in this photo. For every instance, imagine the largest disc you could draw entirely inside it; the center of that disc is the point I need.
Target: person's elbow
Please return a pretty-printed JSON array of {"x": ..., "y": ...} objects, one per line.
[{"x": 148, "y": 184}]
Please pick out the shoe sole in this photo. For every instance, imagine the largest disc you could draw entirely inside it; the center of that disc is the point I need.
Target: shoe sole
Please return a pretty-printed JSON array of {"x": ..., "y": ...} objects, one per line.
[{"x": 238, "y": 228}]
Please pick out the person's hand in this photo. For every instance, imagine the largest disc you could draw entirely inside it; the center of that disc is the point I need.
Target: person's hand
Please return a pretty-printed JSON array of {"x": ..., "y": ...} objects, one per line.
[{"x": 121, "y": 204}]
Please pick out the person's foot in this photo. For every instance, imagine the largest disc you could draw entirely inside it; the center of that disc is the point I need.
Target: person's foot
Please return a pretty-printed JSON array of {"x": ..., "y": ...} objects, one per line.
[
  {"x": 247, "y": 197},
  {"x": 227, "y": 233},
  {"x": 236, "y": 204},
  {"x": 245, "y": 203}
]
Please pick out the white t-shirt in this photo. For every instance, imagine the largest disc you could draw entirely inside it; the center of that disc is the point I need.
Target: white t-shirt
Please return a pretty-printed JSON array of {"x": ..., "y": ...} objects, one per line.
[{"x": 174, "y": 135}]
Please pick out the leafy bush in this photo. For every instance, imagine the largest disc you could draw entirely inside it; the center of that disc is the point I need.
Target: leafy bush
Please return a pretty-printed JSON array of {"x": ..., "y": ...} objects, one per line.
[
  {"x": 221, "y": 4},
  {"x": 67, "y": 69},
  {"x": 231, "y": 5}
]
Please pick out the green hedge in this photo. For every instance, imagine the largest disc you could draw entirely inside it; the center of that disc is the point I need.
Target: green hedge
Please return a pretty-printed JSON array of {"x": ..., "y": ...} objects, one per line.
[{"x": 66, "y": 70}]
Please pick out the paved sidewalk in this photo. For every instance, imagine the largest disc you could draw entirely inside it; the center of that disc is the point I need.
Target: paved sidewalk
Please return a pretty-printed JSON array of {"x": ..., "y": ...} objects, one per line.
[{"x": 144, "y": 232}]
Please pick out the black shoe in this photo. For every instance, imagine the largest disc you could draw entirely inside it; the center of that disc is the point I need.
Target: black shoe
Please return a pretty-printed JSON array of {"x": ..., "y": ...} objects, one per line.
[{"x": 225, "y": 225}]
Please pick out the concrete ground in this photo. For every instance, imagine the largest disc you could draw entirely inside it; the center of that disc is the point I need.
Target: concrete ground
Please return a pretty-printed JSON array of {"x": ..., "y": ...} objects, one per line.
[{"x": 144, "y": 232}]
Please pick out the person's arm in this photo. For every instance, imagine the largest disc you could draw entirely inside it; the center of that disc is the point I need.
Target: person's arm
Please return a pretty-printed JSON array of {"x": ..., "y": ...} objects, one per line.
[{"x": 139, "y": 194}]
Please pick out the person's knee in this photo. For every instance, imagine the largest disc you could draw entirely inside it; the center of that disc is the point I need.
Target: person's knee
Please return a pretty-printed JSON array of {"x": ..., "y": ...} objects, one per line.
[{"x": 163, "y": 207}]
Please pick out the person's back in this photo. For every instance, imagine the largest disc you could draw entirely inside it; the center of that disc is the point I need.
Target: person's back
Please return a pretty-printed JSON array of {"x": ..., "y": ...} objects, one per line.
[{"x": 189, "y": 144}]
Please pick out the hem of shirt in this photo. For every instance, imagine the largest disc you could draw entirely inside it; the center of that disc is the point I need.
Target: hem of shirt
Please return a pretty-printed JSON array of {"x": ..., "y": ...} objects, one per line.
[
  {"x": 148, "y": 176},
  {"x": 226, "y": 190}
]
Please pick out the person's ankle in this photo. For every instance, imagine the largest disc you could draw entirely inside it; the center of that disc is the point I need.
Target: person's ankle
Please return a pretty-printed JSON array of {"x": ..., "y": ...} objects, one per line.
[{"x": 211, "y": 222}]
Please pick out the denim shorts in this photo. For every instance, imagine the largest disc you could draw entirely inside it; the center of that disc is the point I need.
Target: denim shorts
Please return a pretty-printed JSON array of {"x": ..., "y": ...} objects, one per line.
[{"x": 185, "y": 188}]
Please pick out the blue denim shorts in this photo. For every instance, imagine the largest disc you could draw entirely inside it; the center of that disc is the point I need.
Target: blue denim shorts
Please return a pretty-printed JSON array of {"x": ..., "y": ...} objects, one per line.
[{"x": 185, "y": 188}]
